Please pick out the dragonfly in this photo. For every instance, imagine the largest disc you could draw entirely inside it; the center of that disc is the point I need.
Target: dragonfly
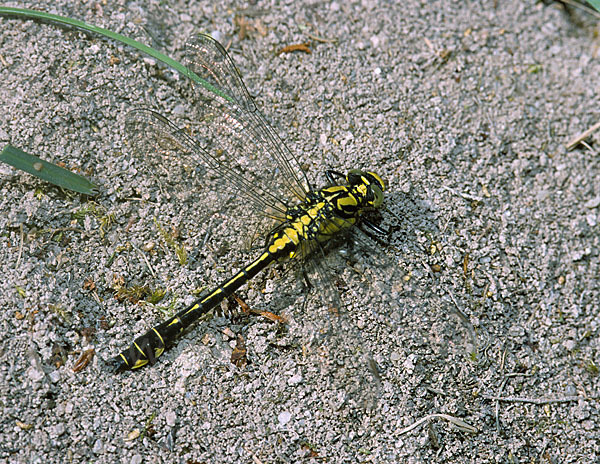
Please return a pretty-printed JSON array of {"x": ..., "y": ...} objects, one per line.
[{"x": 238, "y": 153}]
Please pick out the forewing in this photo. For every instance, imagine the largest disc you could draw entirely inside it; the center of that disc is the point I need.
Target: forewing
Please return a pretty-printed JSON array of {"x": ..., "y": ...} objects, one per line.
[{"x": 238, "y": 126}]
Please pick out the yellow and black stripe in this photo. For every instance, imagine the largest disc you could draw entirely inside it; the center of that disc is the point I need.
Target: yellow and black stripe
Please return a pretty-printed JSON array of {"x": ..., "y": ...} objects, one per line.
[
  {"x": 322, "y": 214},
  {"x": 146, "y": 348}
]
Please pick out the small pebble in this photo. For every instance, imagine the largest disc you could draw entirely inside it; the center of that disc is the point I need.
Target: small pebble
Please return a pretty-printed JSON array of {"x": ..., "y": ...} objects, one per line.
[
  {"x": 170, "y": 418},
  {"x": 98, "y": 447},
  {"x": 295, "y": 380},
  {"x": 284, "y": 418}
]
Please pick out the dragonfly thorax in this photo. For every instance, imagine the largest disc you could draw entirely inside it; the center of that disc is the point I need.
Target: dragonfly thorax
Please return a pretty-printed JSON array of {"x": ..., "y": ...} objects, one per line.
[{"x": 326, "y": 212}]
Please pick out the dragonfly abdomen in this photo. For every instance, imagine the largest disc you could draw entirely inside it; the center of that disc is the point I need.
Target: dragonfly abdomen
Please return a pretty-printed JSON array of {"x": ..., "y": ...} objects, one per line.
[{"x": 149, "y": 346}]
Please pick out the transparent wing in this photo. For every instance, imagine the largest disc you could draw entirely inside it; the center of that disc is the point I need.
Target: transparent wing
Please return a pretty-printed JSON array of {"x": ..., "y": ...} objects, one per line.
[
  {"x": 331, "y": 327},
  {"x": 236, "y": 126},
  {"x": 231, "y": 144},
  {"x": 164, "y": 149}
]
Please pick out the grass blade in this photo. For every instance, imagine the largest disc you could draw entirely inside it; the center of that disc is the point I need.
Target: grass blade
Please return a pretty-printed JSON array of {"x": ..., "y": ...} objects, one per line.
[
  {"x": 46, "y": 171},
  {"x": 595, "y": 4},
  {"x": 176, "y": 65}
]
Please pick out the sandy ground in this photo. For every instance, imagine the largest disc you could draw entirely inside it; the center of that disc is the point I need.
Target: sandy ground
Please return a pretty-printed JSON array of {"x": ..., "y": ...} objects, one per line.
[{"x": 483, "y": 306}]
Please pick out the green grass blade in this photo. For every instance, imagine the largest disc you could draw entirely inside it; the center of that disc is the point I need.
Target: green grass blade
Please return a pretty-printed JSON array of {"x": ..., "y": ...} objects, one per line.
[
  {"x": 595, "y": 4},
  {"x": 46, "y": 171},
  {"x": 176, "y": 65}
]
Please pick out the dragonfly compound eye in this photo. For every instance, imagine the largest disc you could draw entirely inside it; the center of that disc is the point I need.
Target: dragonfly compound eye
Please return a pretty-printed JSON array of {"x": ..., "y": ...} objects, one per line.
[
  {"x": 377, "y": 187},
  {"x": 373, "y": 184}
]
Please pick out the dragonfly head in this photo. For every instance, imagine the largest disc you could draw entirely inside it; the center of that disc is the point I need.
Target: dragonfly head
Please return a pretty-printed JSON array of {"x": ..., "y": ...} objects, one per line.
[{"x": 369, "y": 184}]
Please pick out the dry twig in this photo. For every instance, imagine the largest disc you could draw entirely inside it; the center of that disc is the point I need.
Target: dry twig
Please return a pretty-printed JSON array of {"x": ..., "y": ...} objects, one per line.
[
  {"x": 538, "y": 401},
  {"x": 581, "y": 137},
  {"x": 459, "y": 423}
]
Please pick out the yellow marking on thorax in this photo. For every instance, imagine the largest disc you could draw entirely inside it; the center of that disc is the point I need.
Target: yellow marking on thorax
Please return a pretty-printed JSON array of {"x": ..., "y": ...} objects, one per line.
[
  {"x": 349, "y": 201},
  {"x": 335, "y": 188},
  {"x": 305, "y": 220}
]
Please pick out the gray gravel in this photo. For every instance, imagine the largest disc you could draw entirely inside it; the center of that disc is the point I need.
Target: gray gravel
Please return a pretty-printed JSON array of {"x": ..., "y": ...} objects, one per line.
[{"x": 465, "y": 108}]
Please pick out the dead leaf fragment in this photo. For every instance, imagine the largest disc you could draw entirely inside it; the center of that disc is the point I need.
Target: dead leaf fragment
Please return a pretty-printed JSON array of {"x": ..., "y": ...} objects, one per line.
[
  {"x": 23, "y": 425},
  {"x": 84, "y": 360},
  {"x": 301, "y": 47},
  {"x": 134, "y": 434},
  {"x": 238, "y": 355}
]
